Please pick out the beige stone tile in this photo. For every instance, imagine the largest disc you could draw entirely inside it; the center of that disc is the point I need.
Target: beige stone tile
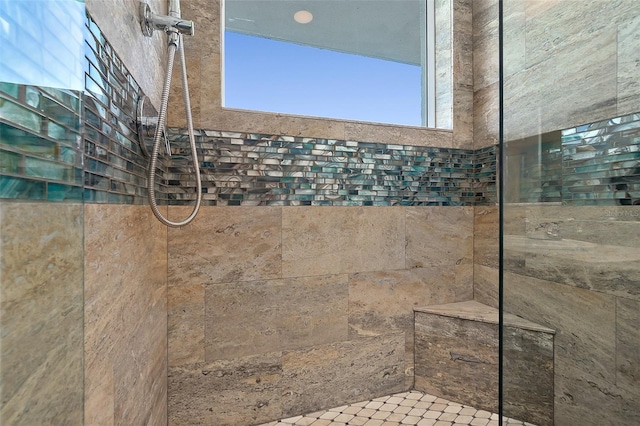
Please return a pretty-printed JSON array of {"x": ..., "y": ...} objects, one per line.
[
  {"x": 40, "y": 243},
  {"x": 443, "y": 61},
  {"x": 186, "y": 324},
  {"x": 559, "y": 24},
  {"x": 514, "y": 48},
  {"x": 628, "y": 59},
  {"x": 125, "y": 316},
  {"x": 628, "y": 348},
  {"x": 243, "y": 391},
  {"x": 584, "y": 346},
  {"x": 485, "y": 25},
  {"x": 453, "y": 352},
  {"x": 225, "y": 244},
  {"x": 486, "y": 116},
  {"x": 253, "y": 317},
  {"x": 41, "y": 313},
  {"x": 383, "y": 302},
  {"x": 463, "y": 16},
  {"x": 398, "y": 135},
  {"x": 439, "y": 236},
  {"x": 486, "y": 237},
  {"x": 140, "y": 371},
  {"x": 351, "y": 371},
  {"x": 611, "y": 269},
  {"x": 463, "y": 118},
  {"x": 528, "y": 375},
  {"x": 326, "y": 240},
  {"x": 485, "y": 285},
  {"x": 176, "y": 116},
  {"x": 558, "y": 69},
  {"x": 278, "y": 124}
]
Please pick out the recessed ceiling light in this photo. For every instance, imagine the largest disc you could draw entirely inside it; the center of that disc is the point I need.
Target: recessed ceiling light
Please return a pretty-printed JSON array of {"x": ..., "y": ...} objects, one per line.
[{"x": 303, "y": 17}]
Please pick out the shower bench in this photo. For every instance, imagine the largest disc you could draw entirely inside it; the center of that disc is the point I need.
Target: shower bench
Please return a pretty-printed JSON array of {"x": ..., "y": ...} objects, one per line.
[{"x": 456, "y": 358}]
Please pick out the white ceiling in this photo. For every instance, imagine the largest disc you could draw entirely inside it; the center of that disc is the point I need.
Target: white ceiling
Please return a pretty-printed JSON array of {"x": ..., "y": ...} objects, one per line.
[{"x": 386, "y": 29}]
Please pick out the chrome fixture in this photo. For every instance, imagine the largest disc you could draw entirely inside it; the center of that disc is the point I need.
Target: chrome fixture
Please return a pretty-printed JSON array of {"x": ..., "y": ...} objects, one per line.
[
  {"x": 174, "y": 27},
  {"x": 150, "y": 21}
]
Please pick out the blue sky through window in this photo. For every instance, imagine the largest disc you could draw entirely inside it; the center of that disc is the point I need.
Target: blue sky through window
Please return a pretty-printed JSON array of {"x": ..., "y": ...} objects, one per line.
[{"x": 269, "y": 75}]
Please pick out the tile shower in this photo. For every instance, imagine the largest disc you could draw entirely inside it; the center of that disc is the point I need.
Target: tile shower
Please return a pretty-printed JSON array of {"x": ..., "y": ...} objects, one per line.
[{"x": 274, "y": 308}]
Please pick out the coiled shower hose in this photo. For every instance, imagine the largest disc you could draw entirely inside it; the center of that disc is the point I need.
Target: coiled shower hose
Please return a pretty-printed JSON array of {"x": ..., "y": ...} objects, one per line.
[{"x": 162, "y": 119}]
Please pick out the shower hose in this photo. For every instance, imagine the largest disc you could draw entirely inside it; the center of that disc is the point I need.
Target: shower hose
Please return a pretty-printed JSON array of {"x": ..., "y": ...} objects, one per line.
[{"x": 162, "y": 119}]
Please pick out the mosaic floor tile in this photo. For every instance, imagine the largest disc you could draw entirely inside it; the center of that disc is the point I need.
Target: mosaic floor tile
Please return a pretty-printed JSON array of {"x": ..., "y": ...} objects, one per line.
[{"x": 407, "y": 408}]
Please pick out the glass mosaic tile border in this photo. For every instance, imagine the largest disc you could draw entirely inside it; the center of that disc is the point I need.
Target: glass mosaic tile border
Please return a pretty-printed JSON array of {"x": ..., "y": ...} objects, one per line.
[
  {"x": 40, "y": 143},
  {"x": 601, "y": 162},
  {"x": 592, "y": 164},
  {"x": 274, "y": 170},
  {"x": 63, "y": 145},
  {"x": 115, "y": 167}
]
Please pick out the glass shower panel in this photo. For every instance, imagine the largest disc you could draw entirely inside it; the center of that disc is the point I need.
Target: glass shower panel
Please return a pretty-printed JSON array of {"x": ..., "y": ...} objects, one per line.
[
  {"x": 571, "y": 211},
  {"x": 41, "y": 212}
]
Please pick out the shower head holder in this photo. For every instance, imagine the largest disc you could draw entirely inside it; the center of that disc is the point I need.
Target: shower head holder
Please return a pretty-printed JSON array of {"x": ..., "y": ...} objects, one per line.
[{"x": 149, "y": 22}]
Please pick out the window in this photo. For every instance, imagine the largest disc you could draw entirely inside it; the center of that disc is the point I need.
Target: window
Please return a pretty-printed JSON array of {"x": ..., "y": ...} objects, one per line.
[{"x": 363, "y": 60}]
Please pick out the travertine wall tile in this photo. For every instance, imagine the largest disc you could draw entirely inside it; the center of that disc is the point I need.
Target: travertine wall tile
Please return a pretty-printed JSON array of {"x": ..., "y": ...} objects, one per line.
[
  {"x": 382, "y": 302},
  {"x": 253, "y": 317},
  {"x": 581, "y": 39},
  {"x": 485, "y": 43},
  {"x": 486, "y": 236},
  {"x": 585, "y": 367},
  {"x": 225, "y": 244},
  {"x": 628, "y": 60},
  {"x": 443, "y": 66},
  {"x": 559, "y": 77},
  {"x": 400, "y": 135},
  {"x": 528, "y": 375},
  {"x": 341, "y": 373},
  {"x": 41, "y": 288},
  {"x": 587, "y": 247},
  {"x": 239, "y": 392},
  {"x": 439, "y": 236},
  {"x": 628, "y": 347},
  {"x": 125, "y": 318},
  {"x": 485, "y": 285},
  {"x": 185, "y": 323},
  {"x": 335, "y": 240},
  {"x": 457, "y": 359},
  {"x": 514, "y": 27},
  {"x": 486, "y": 117}
]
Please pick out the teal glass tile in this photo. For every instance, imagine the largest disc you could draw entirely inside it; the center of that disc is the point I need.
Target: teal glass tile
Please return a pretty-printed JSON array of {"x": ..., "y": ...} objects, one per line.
[
  {"x": 60, "y": 192},
  {"x": 20, "y": 140},
  {"x": 19, "y": 188},
  {"x": 19, "y": 115},
  {"x": 10, "y": 89},
  {"x": 46, "y": 169},
  {"x": 56, "y": 131},
  {"x": 10, "y": 162}
]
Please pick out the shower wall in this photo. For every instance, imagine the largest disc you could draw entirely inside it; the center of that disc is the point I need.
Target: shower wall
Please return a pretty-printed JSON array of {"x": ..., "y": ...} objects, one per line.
[
  {"x": 313, "y": 246},
  {"x": 571, "y": 231},
  {"x": 277, "y": 311},
  {"x": 125, "y": 324}
]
